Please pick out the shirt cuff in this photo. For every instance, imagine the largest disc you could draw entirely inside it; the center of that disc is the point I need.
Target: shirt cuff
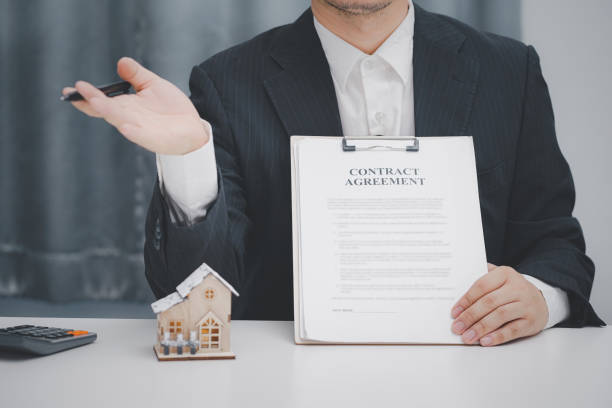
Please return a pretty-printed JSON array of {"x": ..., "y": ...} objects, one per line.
[
  {"x": 190, "y": 181},
  {"x": 556, "y": 300}
]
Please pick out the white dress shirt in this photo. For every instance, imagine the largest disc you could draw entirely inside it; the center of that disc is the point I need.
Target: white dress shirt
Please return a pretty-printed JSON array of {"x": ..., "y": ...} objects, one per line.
[{"x": 375, "y": 97}]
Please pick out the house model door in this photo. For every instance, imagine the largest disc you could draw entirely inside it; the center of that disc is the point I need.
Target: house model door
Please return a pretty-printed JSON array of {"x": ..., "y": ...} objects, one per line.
[{"x": 210, "y": 333}]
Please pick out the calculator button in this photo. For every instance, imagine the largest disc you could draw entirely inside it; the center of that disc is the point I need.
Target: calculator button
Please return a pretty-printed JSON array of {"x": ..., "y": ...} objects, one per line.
[{"x": 77, "y": 332}]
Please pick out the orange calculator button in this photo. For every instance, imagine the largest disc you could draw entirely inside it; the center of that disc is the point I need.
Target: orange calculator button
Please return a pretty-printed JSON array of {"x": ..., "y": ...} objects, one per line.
[{"x": 77, "y": 332}]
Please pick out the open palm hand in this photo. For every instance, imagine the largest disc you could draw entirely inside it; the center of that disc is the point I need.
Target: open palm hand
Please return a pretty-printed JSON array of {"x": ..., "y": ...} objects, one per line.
[{"x": 158, "y": 117}]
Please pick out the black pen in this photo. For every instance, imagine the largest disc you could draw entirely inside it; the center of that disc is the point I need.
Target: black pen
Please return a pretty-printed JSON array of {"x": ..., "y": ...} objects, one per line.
[{"x": 118, "y": 88}]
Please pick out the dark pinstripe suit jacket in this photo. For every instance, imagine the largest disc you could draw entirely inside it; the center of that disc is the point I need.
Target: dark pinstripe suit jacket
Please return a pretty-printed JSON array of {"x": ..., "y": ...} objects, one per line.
[{"x": 257, "y": 94}]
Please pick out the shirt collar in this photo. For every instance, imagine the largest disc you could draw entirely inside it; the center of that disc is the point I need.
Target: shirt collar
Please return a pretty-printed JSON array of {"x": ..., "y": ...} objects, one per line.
[{"x": 396, "y": 50}]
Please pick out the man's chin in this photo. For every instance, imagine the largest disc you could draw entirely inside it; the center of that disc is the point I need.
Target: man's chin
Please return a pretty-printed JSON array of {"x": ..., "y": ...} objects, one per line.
[{"x": 359, "y": 7}]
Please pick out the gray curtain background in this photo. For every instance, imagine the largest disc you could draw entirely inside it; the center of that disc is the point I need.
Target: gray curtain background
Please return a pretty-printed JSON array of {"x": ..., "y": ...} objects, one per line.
[{"x": 74, "y": 193}]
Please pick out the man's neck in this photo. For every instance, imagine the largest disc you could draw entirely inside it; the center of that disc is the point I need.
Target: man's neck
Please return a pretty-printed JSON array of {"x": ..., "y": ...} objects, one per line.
[{"x": 365, "y": 32}]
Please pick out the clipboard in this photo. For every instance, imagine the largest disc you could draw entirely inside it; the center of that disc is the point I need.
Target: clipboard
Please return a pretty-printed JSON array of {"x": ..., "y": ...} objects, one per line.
[
  {"x": 408, "y": 146},
  {"x": 354, "y": 143}
]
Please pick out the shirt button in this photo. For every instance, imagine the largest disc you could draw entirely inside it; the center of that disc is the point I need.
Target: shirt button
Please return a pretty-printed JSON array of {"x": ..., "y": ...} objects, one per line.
[
  {"x": 368, "y": 64},
  {"x": 379, "y": 116}
]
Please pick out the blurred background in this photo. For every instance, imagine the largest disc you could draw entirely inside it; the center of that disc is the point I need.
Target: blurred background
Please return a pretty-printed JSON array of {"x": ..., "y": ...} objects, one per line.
[{"x": 74, "y": 193}]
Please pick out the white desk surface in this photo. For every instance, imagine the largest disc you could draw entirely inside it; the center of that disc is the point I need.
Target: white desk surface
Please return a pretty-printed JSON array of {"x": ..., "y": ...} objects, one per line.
[{"x": 557, "y": 368}]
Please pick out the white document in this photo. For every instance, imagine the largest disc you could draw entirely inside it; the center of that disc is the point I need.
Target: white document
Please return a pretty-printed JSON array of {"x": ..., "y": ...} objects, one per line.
[{"x": 384, "y": 242}]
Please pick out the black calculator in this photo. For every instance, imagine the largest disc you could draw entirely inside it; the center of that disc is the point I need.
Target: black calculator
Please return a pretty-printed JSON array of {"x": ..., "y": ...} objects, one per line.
[{"x": 42, "y": 340}]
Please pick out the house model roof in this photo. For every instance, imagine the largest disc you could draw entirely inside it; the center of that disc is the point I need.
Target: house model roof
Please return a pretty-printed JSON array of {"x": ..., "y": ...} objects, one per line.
[{"x": 183, "y": 289}]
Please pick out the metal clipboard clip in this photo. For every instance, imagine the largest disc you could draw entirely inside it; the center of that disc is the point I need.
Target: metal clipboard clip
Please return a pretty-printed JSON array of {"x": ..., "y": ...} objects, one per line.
[{"x": 411, "y": 146}]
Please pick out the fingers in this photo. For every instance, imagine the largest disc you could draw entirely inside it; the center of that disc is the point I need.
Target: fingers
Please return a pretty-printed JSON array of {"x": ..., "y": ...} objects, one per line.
[
  {"x": 490, "y": 267},
  {"x": 481, "y": 308},
  {"x": 508, "y": 332},
  {"x": 492, "y": 321},
  {"x": 88, "y": 91},
  {"x": 487, "y": 283},
  {"x": 83, "y": 106},
  {"x": 110, "y": 109},
  {"x": 499, "y": 307},
  {"x": 131, "y": 71}
]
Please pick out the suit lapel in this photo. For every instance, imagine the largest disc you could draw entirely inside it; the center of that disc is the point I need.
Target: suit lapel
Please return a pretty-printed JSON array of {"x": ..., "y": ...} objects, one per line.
[
  {"x": 445, "y": 81},
  {"x": 303, "y": 92}
]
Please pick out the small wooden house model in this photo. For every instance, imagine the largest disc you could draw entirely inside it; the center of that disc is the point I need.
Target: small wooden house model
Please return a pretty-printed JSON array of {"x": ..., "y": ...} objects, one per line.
[{"x": 193, "y": 323}]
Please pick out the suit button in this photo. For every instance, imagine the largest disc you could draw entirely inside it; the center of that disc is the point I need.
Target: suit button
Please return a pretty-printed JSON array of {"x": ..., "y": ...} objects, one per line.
[
  {"x": 157, "y": 240},
  {"x": 157, "y": 229}
]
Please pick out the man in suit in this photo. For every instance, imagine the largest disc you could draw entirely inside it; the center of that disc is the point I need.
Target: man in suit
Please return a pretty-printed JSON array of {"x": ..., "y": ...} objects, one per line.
[{"x": 356, "y": 67}]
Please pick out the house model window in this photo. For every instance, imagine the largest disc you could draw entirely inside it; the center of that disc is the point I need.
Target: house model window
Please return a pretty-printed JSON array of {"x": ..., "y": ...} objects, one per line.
[
  {"x": 194, "y": 321},
  {"x": 175, "y": 327},
  {"x": 209, "y": 293}
]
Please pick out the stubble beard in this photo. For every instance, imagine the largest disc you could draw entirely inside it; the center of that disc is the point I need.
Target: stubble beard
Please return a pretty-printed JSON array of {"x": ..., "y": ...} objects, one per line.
[{"x": 351, "y": 8}]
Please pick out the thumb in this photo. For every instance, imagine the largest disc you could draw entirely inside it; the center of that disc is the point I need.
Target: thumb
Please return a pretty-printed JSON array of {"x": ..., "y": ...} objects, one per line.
[{"x": 131, "y": 71}]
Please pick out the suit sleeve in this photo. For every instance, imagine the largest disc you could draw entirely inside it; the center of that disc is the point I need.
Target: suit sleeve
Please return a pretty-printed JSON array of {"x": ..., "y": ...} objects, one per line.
[
  {"x": 173, "y": 250},
  {"x": 543, "y": 239}
]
